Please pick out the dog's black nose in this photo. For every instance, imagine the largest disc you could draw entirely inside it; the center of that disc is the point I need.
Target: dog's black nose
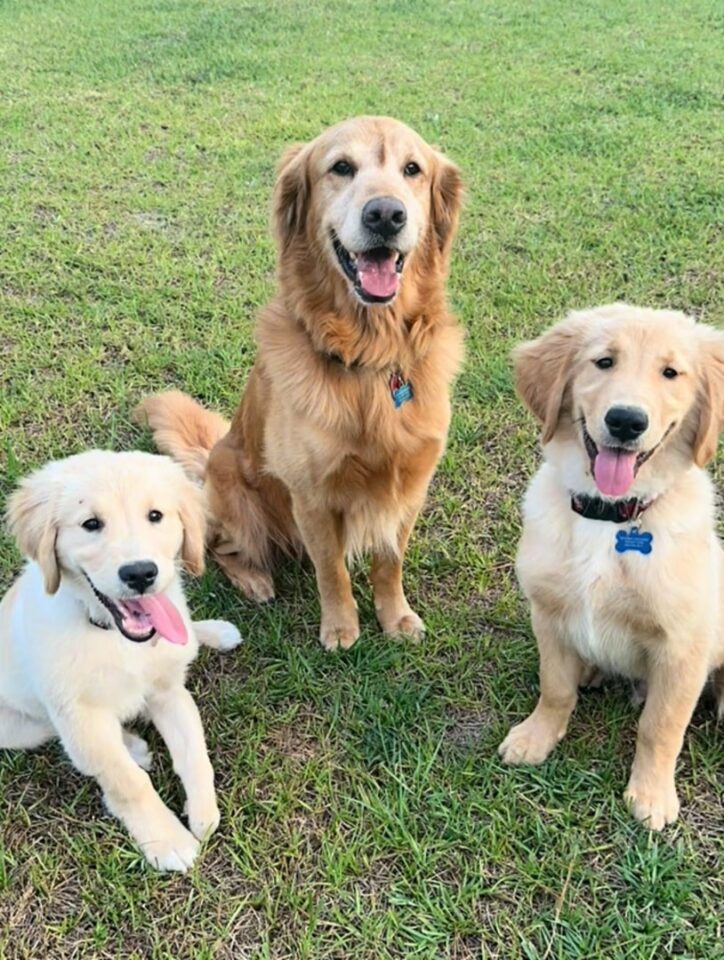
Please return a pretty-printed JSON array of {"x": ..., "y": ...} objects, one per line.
[
  {"x": 385, "y": 216},
  {"x": 140, "y": 575},
  {"x": 626, "y": 423}
]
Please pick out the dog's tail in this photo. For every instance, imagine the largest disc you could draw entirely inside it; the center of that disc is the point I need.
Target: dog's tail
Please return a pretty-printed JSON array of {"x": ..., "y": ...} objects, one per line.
[{"x": 182, "y": 428}]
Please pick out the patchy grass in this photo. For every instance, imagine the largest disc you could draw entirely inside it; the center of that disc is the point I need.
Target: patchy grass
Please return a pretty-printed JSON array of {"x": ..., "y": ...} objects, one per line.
[{"x": 365, "y": 813}]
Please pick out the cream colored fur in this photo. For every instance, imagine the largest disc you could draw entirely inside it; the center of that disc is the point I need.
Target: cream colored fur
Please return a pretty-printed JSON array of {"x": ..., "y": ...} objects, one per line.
[{"x": 61, "y": 676}]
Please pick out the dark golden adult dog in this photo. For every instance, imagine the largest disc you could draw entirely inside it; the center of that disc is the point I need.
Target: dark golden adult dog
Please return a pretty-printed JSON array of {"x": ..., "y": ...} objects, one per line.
[{"x": 325, "y": 452}]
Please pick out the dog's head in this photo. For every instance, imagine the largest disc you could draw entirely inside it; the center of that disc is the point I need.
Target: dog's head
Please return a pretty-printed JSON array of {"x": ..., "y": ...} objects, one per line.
[
  {"x": 625, "y": 396},
  {"x": 114, "y": 526},
  {"x": 368, "y": 197}
]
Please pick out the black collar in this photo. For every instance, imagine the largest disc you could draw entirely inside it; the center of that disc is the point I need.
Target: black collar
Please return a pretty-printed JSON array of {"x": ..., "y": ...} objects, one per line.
[{"x": 614, "y": 511}]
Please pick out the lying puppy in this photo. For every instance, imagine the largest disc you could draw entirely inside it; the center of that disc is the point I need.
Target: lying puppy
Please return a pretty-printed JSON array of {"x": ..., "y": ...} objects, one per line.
[
  {"x": 619, "y": 557},
  {"x": 96, "y": 631},
  {"x": 346, "y": 411}
]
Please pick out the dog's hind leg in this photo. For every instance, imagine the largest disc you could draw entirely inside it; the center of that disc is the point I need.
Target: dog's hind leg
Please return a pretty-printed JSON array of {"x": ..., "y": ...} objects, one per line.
[
  {"x": 255, "y": 582},
  {"x": 240, "y": 542},
  {"x": 21, "y": 732}
]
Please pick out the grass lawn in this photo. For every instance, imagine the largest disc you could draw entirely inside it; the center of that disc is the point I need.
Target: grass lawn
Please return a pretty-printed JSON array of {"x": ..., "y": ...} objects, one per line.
[{"x": 365, "y": 813}]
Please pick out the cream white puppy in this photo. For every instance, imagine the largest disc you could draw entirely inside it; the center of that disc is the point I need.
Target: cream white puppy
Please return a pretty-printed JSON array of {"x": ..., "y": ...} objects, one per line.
[
  {"x": 619, "y": 555},
  {"x": 96, "y": 632}
]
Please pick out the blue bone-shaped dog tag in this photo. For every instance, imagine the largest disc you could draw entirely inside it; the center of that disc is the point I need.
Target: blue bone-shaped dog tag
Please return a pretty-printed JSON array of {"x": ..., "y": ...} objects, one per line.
[
  {"x": 400, "y": 389},
  {"x": 633, "y": 539}
]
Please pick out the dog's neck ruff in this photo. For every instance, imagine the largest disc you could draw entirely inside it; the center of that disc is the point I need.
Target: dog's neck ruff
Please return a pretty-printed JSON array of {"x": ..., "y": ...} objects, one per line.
[
  {"x": 612, "y": 511},
  {"x": 400, "y": 389}
]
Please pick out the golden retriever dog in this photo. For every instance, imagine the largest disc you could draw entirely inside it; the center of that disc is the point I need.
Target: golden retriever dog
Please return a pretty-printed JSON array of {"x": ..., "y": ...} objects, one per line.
[
  {"x": 346, "y": 411},
  {"x": 96, "y": 631},
  {"x": 619, "y": 556}
]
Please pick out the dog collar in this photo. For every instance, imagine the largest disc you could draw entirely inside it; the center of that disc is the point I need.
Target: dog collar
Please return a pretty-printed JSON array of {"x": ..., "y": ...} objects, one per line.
[{"x": 612, "y": 511}]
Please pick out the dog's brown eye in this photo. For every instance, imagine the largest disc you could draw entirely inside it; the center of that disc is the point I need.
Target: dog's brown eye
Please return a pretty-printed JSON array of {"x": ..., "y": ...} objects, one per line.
[
  {"x": 670, "y": 373},
  {"x": 343, "y": 169},
  {"x": 605, "y": 363},
  {"x": 92, "y": 524},
  {"x": 412, "y": 169},
  {"x": 155, "y": 516}
]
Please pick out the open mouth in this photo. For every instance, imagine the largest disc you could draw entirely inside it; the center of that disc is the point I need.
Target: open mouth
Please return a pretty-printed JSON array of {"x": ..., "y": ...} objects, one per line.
[
  {"x": 614, "y": 468},
  {"x": 140, "y": 618},
  {"x": 374, "y": 274}
]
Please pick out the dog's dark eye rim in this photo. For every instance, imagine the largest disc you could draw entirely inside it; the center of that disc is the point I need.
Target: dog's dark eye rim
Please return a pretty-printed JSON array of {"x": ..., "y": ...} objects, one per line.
[
  {"x": 343, "y": 168},
  {"x": 670, "y": 373},
  {"x": 412, "y": 169},
  {"x": 155, "y": 516},
  {"x": 92, "y": 524},
  {"x": 604, "y": 363}
]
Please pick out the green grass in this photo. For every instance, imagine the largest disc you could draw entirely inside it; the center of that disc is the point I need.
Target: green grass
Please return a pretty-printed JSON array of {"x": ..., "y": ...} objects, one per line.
[{"x": 365, "y": 813}]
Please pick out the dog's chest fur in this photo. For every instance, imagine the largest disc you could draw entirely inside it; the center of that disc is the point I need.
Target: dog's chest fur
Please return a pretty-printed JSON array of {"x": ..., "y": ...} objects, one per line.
[
  {"x": 335, "y": 435},
  {"x": 615, "y": 609}
]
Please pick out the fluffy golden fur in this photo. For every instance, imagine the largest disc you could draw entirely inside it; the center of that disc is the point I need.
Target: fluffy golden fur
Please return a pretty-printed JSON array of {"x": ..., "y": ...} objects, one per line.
[
  {"x": 62, "y": 676},
  {"x": 317, "y": 456},
  {"x": 655, "y": 617}
]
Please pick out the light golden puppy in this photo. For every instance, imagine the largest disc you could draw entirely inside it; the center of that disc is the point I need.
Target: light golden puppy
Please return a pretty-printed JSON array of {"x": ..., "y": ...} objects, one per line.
[
  {"x": 619, "y": 556},
  {"x": 96, "y": 632},
  {"x": 346, "y": 411}
]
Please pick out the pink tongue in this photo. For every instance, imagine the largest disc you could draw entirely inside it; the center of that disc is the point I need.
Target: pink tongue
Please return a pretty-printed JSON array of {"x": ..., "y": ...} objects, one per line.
[
  {"x": 378, "y": 277},
  {"x": 164, "y": 617},
  {"x": 613, "y": 471}
]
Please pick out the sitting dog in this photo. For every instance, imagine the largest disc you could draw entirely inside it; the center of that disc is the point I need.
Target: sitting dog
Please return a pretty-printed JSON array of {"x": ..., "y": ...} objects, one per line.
[
  {"x": 619, "y": 556},
  {"x": 346, "y": 411},
  {"x": 96, "y": 631}
]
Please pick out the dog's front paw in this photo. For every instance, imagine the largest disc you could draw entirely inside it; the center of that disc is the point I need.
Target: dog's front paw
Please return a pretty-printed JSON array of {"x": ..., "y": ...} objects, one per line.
[
  {"x": 334, "y": 636},
  {"x": 171, "y": 847},
  {"x": 203, "y": 819},
  {"x": 654, "y": 804},
  {"x": 218, "y": 634},
  {"x": 528, "y": 742},
  {"x": 409, "y": 626}
]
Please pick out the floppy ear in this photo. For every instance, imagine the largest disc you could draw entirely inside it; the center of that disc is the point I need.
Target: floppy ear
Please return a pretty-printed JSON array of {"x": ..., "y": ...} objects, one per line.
[
  {"x": 542, "y": 372},
  {"x": 711, "y": 395},
  {"x": 31, "y": 519},
  {"x": 291, "y": 195},
  {"x": 446, "y": 197},
  {"x": 193, "y": 517}
]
